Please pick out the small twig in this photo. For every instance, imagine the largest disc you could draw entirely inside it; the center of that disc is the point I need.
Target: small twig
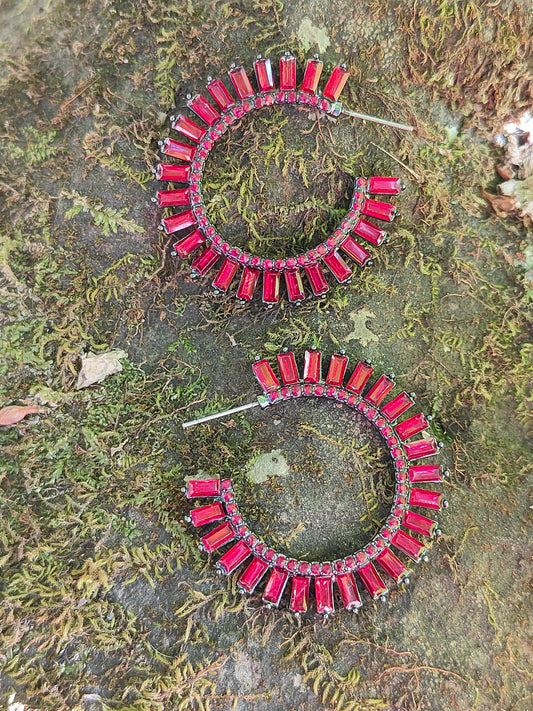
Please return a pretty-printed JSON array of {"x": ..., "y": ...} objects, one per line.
[{"x": 406, "y": 167}]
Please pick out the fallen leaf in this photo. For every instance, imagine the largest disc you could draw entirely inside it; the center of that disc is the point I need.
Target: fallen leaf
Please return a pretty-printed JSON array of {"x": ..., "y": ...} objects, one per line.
[
  {"x": 521, "y": 192},
  {"x": 501, "y": 204},
  {"x": 95, "y": 368},
  {"x": 12, "y": 414}
]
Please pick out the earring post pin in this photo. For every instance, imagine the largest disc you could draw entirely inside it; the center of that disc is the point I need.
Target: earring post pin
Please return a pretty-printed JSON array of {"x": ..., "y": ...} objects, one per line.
[
  {"x": 375, "y": 119},
  {"x": 216, "y": 415}
]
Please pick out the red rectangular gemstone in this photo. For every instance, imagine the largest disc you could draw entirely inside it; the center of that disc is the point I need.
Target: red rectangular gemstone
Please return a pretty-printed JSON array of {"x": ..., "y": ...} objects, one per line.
[
  {"x": 220, "y": 94},
  {"x": 173, "y": 171},
  {"x": 312, "y": 366},
  {"x": 202, "y": 108},
  {"x": 205, "y": 261},
  {"x": 225, "y": 275},
  {"x": 188, "y": 244},
  {"x": 265, "y": 375},
  {"x": 295, "y": 287},
  {"x": 263, "y": 73},
  {"x": 313, "y": 70},
  {"x": 247, "y": 285},
  {"x": 271, "y": 280},
  {"x": 252, "y": 575},
  {"x": 233, "y": 557},
  {"x": 288, "y": 368},
  {"x": 287, "y": 72},
  {"x": 359, "y": 378},
  {"x": 207, "y": 514},
  {"x": 275, "y": 586},
  {"x": 397, "y": 406},
  {"x": 173, "y": 198},
  {"x": 218, "y": 537},
  {"x": 176, "y": 149},
  {"x": 202, "y": 487},
  {"x": 179, "y": 221},
  {"x": 412, "y": 426},
  {"x": 324, "y": 595},
  {"x": 427, "y": 499},
  {"x": 381, "y": 210},
  {"x": 366, "y": 230},
  {"x": 379, "y": 390},
  {"x": 421, "y": 448},
  {"x": 419, "y": 524},
  {"x": 318, "y": 283},
  {"x": 335, "y": 83},
  {"x": 392, "y": 565},
  {"x": 354, "y": 250},
  {"x": 425, "y": 473},
  {"x": 408, "y": 545},
  {"x": 336, "y": 370},
  {"x": 384, "y": 186},
  {"x": 349, "y": 592},
  {"x": 240, "y": 81},
  {"x": 300, "y": 593},
  {"x": 340, "y": 270},
  {"x": 188, "y": 128},
  {"x": 373, "y": 583}
]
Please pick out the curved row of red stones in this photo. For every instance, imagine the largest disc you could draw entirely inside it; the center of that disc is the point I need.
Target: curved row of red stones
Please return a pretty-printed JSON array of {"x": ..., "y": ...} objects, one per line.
[
  {"x": 196, "y": 216},
  {"x": 378, "y": 550}
]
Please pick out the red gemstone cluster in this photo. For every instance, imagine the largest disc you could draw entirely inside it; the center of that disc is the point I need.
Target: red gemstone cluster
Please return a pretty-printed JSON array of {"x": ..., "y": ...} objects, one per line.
[
  {"x": 202, "y": 233},
  {"x": 409, "y": 474}
]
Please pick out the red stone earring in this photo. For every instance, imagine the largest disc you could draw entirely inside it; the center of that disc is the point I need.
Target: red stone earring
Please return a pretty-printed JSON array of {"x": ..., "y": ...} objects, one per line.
[
  {"x": 202, "y": 233},
  {"x": 395, "y": 537}
]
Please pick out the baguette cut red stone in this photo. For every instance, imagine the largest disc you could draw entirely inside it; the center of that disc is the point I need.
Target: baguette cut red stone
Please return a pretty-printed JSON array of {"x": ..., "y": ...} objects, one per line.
[
  {"x": 220, "y": 94},
  {"x": 265, "y": 375},
  {"x": 252, "y": 575},
  {"x": 218, "y": 537},
  {"x": 287, "y": 73},
  {"x": 313, "y": 70},
  {"x": 312, "y": 366},
  {"x": 412, "y": 426},
  {"x": 294, "y": 283},
  {"x": 202, "y": 487},
  {"x": 324, "y": 595},
  {"x": 317, "y": 281},
  {"x": 349, "y": 592},
  {"x": 264, "y": 76},
  {"x": 205, "y": 261},
  {"x": 188, "y": 128},
  {"x": 419, "y": 524},
  {"x": 300, "y": 593},
  {"x": 207, "y": 514},
  {"x": 275, "y": 586},
  {"x": 188, "y": 244},
  {"x": 202, "y": 108},
  {"x": 179, "y": 221},
  {"x": 271, "y": 280},
  {"x": 366, "y": 230},
  {"x": 429, "y": 473},
  {"x": 340, "y": 270},
  {"x": 421, "y": 448},
  {"x": 336, "y": 370},
  {"x": 247, "y": 285},
  {"x": 373, "y": 583},
  {"x": 379, "y": 390},
  {"x": 173, "y": 171},
  {"x": 232, "y": 558},
  {"x": 173, "y": 198},
  {"x": 381, "y": 185},
  {"x": 408, "y": 545},
  {"x": 381, "y": 210},
  {"x": 176, "y": 149},
  {"x": 392, "y": 565},
  {"x": 354, "y": 250},
  {"x": 335, "y": 84},
  {"x": 225, "y": 276},
  {"x": 426, "y": 498},
  {"x": 397, "y": 406},
  {"x": 240, "y": 81},
  {"x": 359, "y": 378},
  {"x": 288, "y": 368}
]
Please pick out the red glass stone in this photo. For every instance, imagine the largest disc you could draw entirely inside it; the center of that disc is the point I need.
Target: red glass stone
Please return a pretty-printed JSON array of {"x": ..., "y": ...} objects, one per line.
[
  {"x": 202, "y": 108},
  {"x": 408, "y": 545},
  {"x": 421, "y": 448},
  {"x": 384, "y": 186},
  {"x": 335, "y": 83},
  {"x": 313, "y": 70},
  {"x": 359, "y": 378},
  {"x": 252, "y": 575},
  {"x": 354, "y": 250},
  {"x": 412, "y": 426},
  {"x": 207, "y": 514},
  {"x": 271, "y": 280},
  {"x": 232, "y": 558},
  {"x": 173, "y": 198},
  {"x": 300, "y": 594},
  {"x": 247, "y": 285},
  {"x": 340, "y": 270},
  {"x": 179, "y": 221},
  {"x": 319, "y": 390},
  {"x": 173, "y": 171},
  {"x": 336, "y": 370},
  {"x": 427, "y": 499},
  {"x": 240, "y": 81},
  {"x": 316, "y": 278},
  {"x": 265, "y": 375},
  {"x": 188, "y": 128},
  {"x": 287, "y": 72},
  {"x": 349, "y": 593},
  {"x": 275, "y": 586},
  {"x": 374, "y": 235},
  {"x": 218, "y": 537},
  {"x": 324, "y": 595},
  {"x": 379, "y": 390},
  {"x": 205, "y": 261},
  {"x": 288, "y": 368},
  {"x": 295, "y": 287},
  {"x": 263, "y": 73},
  {"x": 381, "y": 210},
  {"x": 304, "y": 567},
  {"x": 392, "y": 565},
  {"x": 176, "y": 149},
  {"x": 292, "y": 564},
  {"x": 425, "y": 473},
  {"x": 202, "y": 487},
  {"x": 397, "y": 406},
  {"x": 373, "y": 583},
  {"x": 281, "y": 561},
  {"x": 220, "y": 94},
  {"x": 225, "y": 276},
  {"x": 419, "y": 524}
]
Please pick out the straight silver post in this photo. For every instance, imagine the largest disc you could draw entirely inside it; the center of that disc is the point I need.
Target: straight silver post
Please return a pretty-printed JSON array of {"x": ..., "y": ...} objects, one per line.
[
  {"x": 374, "y": 119},
  {"x": 207, "y": 418}
]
